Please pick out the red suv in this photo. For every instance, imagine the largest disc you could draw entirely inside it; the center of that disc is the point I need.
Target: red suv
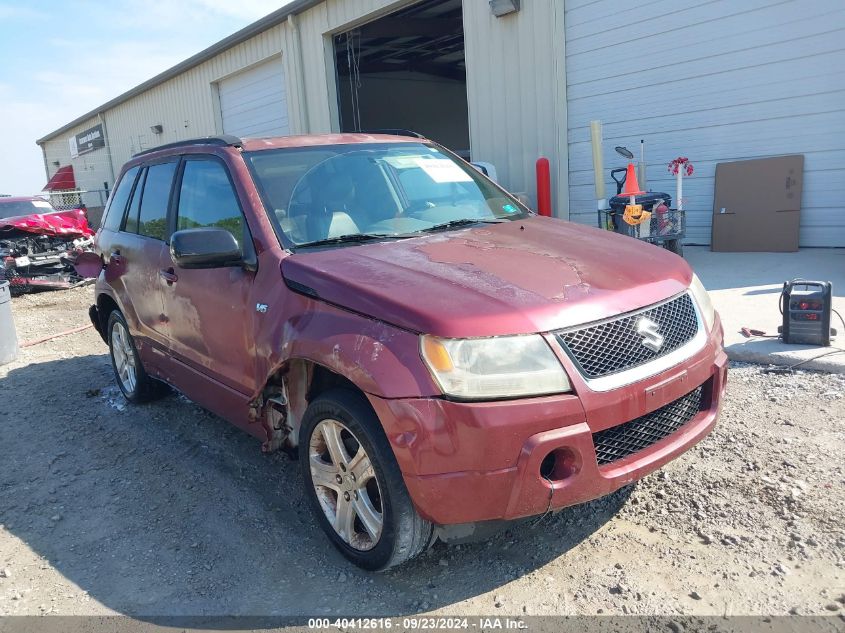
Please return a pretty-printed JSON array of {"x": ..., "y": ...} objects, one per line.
[{"x": 436, "y": 354}]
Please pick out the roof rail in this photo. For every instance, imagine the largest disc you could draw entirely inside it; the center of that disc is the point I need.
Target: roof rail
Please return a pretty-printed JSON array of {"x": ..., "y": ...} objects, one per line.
[
  {"x": 223, "y": 140},
  {"x": 394, "y": 132}
]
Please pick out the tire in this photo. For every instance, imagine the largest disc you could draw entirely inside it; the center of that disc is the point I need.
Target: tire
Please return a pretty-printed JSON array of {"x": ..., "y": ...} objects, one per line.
[
  {"x": 674, "y": 246},
  {"x": 402, "y": 534},
  {"x": 129, "y": 373}
]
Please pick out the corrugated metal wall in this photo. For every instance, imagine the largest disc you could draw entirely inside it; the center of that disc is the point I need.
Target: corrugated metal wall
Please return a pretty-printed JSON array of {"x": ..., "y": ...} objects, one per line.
[
  {"x": 516, "y": 94},
  {"x": 186, "y": 106},
  {"x": 516, "y": 88},
  {"x": 715, "y": 81}
]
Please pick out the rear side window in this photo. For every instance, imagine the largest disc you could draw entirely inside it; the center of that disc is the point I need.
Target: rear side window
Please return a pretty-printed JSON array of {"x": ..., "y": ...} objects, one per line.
[
  {"x": 131, "y": 224},
  {"x": 207, "y": 199},
  {"x": 152, "y": 219},
  {"x": 119, "y": 198}
]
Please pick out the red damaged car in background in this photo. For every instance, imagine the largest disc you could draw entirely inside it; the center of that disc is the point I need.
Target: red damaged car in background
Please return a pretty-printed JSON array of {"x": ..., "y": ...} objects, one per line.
[
  {"x": 436, "y": 354},
  {"x": 39, "y": 244}
]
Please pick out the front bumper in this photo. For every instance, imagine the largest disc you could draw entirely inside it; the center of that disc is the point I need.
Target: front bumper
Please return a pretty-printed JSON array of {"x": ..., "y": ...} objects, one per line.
[{"x": 469, "y": 462}]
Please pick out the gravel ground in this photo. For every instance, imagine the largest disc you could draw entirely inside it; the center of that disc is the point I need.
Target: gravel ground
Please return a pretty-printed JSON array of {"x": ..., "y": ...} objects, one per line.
[{"x": 165, "y": 509}]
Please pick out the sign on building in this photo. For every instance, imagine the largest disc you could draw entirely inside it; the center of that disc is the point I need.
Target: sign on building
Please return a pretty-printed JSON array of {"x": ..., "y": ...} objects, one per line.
[{"x": 87, "y": 141}]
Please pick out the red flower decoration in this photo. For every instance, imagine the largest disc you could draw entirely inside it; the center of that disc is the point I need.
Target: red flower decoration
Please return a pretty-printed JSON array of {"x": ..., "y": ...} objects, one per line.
[{"x": 682, "y": 162}]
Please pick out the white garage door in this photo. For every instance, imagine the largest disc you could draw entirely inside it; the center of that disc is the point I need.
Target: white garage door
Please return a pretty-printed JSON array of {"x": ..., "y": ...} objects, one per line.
[
  {"x": 254, "y": 102},
  {"x": 715, "y": 81}
]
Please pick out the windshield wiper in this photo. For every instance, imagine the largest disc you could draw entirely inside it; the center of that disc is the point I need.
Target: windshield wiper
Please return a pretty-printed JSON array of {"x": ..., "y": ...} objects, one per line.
[
  {"x": 462, "y": 222},
  {"x": 351, "y": 239}
]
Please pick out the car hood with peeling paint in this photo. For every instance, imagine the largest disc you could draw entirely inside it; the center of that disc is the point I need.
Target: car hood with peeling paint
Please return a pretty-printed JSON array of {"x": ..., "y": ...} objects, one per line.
[{"x": 519, "y": 277}]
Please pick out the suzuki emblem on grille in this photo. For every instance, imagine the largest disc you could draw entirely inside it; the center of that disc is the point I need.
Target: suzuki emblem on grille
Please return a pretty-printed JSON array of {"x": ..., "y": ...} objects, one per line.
[{"x": 650, "y": 331}]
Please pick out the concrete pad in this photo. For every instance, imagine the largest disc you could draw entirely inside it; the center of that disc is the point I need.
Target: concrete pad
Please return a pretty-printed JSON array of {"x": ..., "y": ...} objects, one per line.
[{"x": 745, "y": 288}]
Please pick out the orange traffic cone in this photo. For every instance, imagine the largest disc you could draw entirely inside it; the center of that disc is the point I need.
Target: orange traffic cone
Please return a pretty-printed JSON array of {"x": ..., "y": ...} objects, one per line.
[
  {"x": 634, "y": 213},
  {"x": 632, "y": 187}
]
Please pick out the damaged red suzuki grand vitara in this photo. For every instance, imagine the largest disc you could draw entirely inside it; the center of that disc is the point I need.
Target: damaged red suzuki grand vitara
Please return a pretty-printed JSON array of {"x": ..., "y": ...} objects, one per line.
[{"x": 437, "y": 354}]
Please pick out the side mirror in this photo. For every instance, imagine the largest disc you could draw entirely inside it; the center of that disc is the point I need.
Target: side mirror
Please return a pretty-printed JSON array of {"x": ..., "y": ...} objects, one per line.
[{"x": 205, "y": 248}]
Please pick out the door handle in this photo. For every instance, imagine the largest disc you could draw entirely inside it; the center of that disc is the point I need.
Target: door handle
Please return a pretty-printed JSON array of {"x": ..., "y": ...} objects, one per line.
[{"x": 169, "y": 276}]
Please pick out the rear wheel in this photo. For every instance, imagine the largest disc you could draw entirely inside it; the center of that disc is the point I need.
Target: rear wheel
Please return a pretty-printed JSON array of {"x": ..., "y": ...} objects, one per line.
[
  {"x": 129, "y": 373},
  {"x": 354, "y": 484}
]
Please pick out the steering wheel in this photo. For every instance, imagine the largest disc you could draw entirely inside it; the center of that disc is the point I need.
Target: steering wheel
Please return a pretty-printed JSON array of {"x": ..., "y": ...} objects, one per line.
[{"x": 419, "y": 205}]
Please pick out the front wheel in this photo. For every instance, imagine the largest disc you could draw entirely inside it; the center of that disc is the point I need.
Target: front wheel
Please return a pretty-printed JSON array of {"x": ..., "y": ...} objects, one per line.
[{"x": 354, "y": 484}]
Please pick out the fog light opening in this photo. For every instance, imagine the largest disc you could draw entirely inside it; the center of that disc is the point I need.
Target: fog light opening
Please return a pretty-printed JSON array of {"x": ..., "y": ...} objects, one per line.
[
  {"x": 559, "y": 464},
  {"x": 547, "y": 466}
]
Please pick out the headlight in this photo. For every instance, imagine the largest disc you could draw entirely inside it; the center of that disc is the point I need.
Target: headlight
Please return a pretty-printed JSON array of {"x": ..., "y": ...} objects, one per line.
[
  {"x": 500, "y": 367},
  {"x": 702, "y": 298}
]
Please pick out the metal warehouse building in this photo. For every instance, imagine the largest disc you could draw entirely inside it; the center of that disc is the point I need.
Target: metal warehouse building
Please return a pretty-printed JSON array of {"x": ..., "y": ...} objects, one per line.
[{"x": 508, "y": 81}]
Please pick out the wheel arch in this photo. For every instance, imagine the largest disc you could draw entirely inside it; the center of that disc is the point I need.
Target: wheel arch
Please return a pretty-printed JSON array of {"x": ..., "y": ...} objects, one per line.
[
  {"x": 287, "y": 394},
  {"x": 304, "y": 357},
  {"x": 106, "y": 304}
]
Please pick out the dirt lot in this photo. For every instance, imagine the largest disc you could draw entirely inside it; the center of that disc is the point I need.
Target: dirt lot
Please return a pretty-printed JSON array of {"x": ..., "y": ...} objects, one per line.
[{"x": 165, "y": 509}]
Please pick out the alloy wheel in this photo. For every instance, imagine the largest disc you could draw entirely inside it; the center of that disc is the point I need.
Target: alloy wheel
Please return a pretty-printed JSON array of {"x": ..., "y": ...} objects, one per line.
[
  {"x": 124, "y": 357},
  {"x": 346, "y": 485}
]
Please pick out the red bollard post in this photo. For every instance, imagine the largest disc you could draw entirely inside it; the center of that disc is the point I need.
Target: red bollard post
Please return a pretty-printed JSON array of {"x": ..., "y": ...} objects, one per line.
[{"x": 544, "y": 187}]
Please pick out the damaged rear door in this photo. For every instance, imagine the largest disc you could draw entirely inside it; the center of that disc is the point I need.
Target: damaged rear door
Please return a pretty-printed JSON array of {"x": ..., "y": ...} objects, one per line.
[{"x": 135, "y": 254}]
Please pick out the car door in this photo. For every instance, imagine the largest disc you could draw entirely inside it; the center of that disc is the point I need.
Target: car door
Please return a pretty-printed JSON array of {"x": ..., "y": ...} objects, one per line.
[
  {"x": 135, "y": 253},
  {"x": 209, "y": 311},
  {"x": 107, "y": 237}
]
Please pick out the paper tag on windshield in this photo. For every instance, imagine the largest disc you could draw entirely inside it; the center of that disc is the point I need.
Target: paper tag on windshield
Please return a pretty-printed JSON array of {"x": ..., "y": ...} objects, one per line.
[
  {"x": 402, "y": 162},
  {"x": 443, "y": 170},
  {"x": 41, "y": 204}
]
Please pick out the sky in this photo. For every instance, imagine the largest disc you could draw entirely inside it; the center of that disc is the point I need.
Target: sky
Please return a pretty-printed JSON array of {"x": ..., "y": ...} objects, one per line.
[{"x": 61, "y": 58}]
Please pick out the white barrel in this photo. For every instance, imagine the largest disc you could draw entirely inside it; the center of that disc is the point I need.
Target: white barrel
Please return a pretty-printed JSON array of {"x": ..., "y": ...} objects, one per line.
[{"x": 8, "y": 337}]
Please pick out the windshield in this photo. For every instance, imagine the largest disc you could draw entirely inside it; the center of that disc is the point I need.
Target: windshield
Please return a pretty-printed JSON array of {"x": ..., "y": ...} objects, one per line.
[
  {"x": 348, "y": 193},
  {"x": 14, "y": 208}
]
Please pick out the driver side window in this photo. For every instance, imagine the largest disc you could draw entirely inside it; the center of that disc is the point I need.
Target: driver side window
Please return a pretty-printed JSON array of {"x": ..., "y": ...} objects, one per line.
[{"x": 207, "y": 199}]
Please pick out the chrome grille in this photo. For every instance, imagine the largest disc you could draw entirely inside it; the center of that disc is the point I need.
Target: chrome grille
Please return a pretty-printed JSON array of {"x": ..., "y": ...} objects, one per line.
[
  {"x": 616, "y": 345},
  {"x": 640, "y": 433}
]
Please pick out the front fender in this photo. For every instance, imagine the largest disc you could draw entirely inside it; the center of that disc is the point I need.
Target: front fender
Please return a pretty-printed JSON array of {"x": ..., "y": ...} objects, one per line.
[{"x": 379, "y": 358}]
